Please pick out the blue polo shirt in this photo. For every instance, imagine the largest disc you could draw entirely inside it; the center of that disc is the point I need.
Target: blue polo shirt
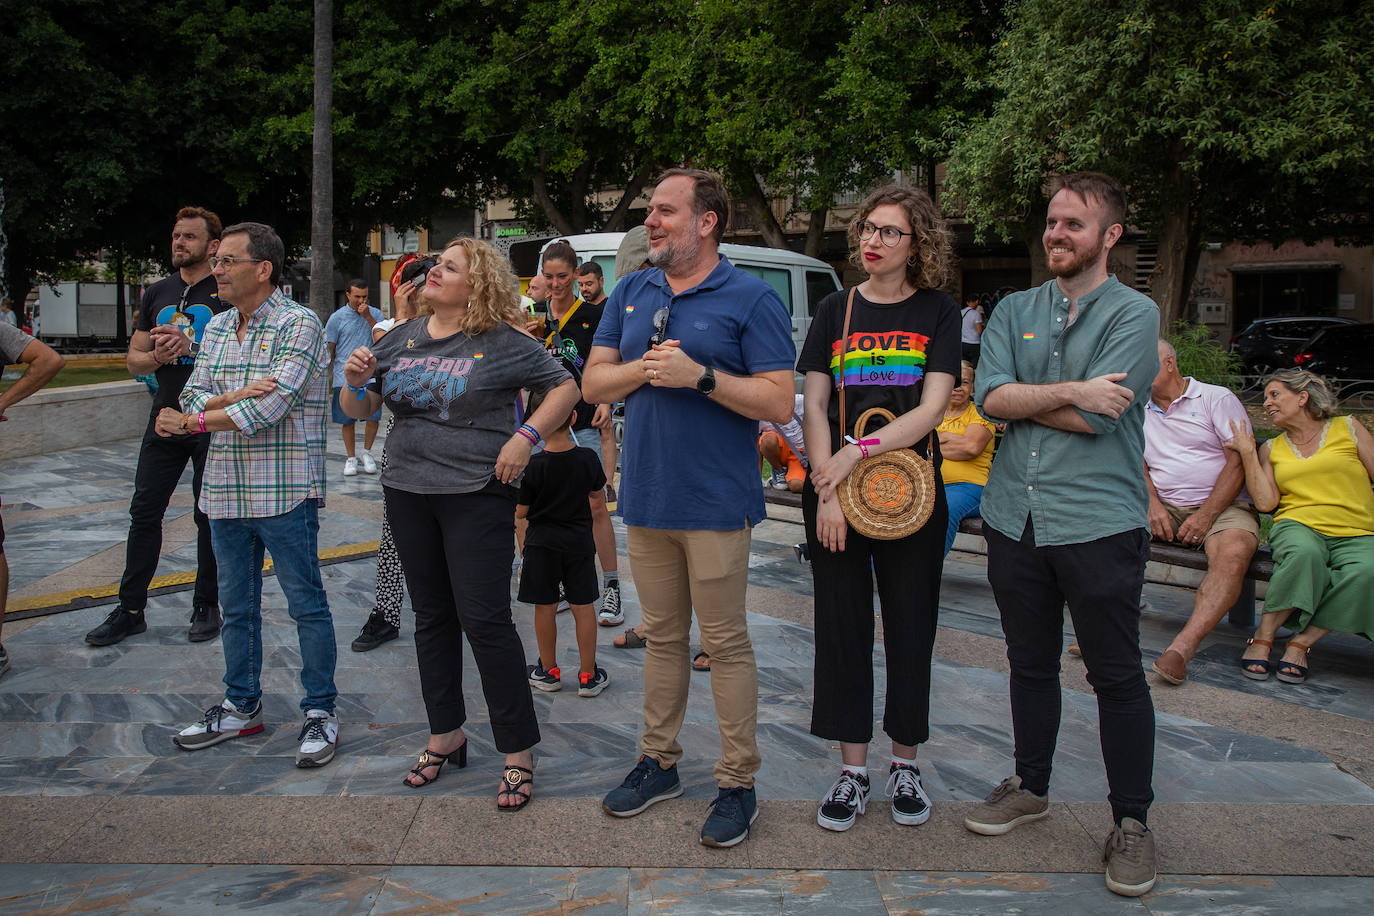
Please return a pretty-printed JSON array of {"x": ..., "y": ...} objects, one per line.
[{"x": 687, "y": 462}]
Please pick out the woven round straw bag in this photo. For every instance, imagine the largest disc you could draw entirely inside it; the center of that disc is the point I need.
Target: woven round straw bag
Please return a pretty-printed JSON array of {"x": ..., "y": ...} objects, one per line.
[{"x": 887, "y": 496}]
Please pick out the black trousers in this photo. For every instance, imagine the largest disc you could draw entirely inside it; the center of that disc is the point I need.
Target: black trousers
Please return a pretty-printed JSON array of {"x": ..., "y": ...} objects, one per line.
[
  {"x": 1101, "y": 581},
  {"x": 161, "y": 462},
  {"x": 456, "y": 550},
  {"x": 908, "y": 575}
]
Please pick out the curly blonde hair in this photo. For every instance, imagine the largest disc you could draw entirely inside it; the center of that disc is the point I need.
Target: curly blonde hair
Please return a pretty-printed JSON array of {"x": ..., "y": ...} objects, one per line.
[
  {"x": 932, "y": 245},
  {"x": 495, "y": 288}
]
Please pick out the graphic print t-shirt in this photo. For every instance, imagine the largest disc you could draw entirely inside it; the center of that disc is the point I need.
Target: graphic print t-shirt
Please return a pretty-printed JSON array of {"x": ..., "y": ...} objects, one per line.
[
  {"x": 891, "y": 347},
  {"x": 572, "y": 345},
  {"x": 164, "y": 303},
  {"x": 454, "y": 401}
]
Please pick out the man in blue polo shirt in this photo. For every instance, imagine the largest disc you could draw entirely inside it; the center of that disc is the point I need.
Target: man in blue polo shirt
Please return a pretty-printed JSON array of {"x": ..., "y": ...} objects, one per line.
[
  {"x": 1068, "y": 367},
  {"x": 699, "y": 352}
]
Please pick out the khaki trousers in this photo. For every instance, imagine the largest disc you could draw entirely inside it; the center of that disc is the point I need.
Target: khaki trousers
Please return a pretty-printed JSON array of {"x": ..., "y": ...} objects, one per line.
[{"x": 674, "y": 573}]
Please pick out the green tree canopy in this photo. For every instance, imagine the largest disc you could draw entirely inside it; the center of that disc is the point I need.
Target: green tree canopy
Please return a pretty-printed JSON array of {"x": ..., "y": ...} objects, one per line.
[{"x": 1230, "y": 116}]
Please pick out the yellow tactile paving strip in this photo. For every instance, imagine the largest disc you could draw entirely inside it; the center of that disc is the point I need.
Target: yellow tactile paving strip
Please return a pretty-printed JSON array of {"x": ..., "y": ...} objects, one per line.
[{"x": 72, "y": 599}]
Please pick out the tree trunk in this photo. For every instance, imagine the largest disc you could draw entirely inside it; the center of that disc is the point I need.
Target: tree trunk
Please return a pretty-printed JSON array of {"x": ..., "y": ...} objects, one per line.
[
  {"x": 577, "y": 204},
  {"x": 121, "y": 323},
  {"x": 761, "y": 209},
  {"x": 539, "y": 185},
  {"x": 322, "y": 166},
  {"x": 1172, "y": 279},
  {"x": 621, "y": 214},
  {"x": 815, "y": 232}
]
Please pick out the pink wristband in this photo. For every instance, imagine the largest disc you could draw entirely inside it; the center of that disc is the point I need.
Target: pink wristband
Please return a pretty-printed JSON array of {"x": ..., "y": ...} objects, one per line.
[
  {"x": 200, "y": 419},
  {"x": 863, "y": 448}
]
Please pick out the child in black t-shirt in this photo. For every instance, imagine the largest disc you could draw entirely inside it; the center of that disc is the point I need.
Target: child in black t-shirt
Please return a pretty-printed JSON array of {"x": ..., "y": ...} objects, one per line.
[{"x": 555, "y": 515}]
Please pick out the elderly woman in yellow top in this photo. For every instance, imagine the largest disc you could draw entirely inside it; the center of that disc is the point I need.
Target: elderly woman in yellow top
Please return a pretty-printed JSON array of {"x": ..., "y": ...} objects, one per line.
[
  {"x": 966, "y": 444},
  {"x": 1315, "y": 478}
]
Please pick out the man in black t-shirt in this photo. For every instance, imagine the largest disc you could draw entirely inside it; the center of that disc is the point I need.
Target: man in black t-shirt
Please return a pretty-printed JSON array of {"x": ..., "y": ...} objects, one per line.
[{"x": 171, "y": 319}]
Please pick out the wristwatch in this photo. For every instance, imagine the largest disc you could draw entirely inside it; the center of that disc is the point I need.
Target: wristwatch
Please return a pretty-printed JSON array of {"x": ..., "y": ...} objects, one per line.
[{"x": 707, "y": 383}]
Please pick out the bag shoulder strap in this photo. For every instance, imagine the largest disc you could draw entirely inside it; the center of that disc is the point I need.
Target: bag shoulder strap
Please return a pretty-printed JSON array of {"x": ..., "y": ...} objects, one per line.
[{"x": 844, "y": 348}]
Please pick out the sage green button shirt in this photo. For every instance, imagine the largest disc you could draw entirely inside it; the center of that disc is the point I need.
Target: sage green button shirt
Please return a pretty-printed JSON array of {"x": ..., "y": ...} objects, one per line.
[{"x": 1075, "y": 487}]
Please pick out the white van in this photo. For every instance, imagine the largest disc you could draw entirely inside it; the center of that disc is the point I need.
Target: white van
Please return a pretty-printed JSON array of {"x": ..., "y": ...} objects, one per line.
[{"x": 799, "y": 280}]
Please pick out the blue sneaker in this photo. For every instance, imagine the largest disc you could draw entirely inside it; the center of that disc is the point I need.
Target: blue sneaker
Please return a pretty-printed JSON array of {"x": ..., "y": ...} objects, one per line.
[
  {"x": 731, "y": 814},
  {"x": 647, "y": 784}
]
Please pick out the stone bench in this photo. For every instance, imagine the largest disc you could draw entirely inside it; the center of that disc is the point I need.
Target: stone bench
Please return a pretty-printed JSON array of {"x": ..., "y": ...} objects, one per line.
[{"x": 1242, "y": 613}]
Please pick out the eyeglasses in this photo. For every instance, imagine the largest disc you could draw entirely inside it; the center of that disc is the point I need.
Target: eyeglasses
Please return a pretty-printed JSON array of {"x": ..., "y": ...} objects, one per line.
[
  {"x": 890, "y": 235},
  {"x": 660, "y": 328},
  {"x": 228, "y": 262}
]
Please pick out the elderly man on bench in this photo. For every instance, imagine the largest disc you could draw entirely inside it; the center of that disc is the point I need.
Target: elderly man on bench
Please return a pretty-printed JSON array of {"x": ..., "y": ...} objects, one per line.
[{"x": 1197, "y": 496}]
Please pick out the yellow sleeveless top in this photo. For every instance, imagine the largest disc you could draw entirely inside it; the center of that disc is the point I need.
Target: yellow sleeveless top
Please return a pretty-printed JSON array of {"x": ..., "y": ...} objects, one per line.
[
  {"x": 974, "y": 470},
  {"x": 1328, "y": 491}
]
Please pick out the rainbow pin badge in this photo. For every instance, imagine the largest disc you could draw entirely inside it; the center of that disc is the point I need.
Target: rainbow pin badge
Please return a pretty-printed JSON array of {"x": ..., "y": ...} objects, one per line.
[
  {"x": 629, "y": 309},
  {"x": 264, "y": 348},
  {"x": 1029, "y": 335},
  {"x": 478, "y": 355}
]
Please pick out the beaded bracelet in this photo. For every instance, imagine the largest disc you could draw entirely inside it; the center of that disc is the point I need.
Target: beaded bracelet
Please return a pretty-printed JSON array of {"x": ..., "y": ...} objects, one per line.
[{"x": 530, "y": 433}]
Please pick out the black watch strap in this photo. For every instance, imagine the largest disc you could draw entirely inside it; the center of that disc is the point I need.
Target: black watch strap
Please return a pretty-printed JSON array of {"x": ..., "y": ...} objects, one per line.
[{"x": 707, "y": 383}]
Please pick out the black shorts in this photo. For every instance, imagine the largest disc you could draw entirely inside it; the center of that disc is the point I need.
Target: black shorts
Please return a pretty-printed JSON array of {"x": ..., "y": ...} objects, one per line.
[
  {"x": 2, "y": 536},
  {"x": 544, "y": 568}
]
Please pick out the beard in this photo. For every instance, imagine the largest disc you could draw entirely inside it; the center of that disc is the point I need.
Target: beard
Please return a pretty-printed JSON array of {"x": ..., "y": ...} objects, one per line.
[
  {"x": 187, "y": 259},
  {"x": 682, "y": 251},
  {"x": 1078, "y": 261}
]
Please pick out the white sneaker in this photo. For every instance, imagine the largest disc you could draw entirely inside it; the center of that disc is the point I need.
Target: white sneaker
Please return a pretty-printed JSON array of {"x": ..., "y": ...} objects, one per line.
[
  {"x": 350, "y": 467},
  {"x": 319, "y": 737},
  {"x": 369, "y": 466},
  {"x": 220, "y": 722}
]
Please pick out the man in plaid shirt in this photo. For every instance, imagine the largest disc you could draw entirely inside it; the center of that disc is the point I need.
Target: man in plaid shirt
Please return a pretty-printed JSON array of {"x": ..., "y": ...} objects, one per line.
[{"x": 259, "y": 389}]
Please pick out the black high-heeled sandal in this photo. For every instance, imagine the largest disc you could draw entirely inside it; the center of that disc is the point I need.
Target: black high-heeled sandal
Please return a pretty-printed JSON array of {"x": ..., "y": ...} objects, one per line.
[
  {"x": 435, "y": 759},
  {"x": 512, "y": 780}
]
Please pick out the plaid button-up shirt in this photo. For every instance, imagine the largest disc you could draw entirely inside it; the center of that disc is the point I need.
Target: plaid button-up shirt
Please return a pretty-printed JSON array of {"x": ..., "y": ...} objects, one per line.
[{"x": 275, "y": 459}]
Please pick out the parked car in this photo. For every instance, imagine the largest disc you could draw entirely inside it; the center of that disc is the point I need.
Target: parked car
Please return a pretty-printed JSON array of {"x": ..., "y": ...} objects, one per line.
[
  {"x": 1344, "y": 353},
  {"x": 1271, "y": 343}
]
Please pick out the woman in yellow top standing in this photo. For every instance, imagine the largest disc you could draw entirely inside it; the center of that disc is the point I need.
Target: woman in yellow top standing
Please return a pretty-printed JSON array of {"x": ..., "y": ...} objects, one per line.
[
  {"x": 966, "y": 444},
  {"x": 1316, "y": 479}
]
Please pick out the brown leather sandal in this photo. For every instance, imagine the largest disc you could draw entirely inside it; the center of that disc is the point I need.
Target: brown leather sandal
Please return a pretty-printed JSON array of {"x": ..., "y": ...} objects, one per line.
[{"x": 1257, "y": 669}]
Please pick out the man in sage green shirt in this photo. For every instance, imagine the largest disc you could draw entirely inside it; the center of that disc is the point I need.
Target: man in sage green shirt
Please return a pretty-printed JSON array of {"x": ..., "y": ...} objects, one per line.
[{"x": 1068, "y": 368}]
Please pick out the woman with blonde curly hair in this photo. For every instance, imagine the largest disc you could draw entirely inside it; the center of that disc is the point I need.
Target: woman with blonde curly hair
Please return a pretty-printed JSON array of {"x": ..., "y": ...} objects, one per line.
[
  {"x": 450, "y": 377},
  {"x": 891, "y": 342},
  {"x": 1315, "y": 478}
]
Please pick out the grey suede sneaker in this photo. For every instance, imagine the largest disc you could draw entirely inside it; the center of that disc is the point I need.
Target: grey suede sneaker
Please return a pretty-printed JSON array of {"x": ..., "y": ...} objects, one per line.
[
  {"x": 1130, "y": 856},
  {"x": 1007, "y": 806}
]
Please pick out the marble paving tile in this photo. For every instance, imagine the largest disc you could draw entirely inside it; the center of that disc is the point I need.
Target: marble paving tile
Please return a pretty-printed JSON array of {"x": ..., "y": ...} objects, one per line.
[
  {"x": 504, "y": 891},
  {"x": 746, "y": 892}
]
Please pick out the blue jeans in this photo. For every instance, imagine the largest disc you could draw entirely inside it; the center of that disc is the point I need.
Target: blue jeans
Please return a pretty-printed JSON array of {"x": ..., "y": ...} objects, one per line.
[
  {"x": 965, "y": 500},
  {"x": 291, "y": 539}
]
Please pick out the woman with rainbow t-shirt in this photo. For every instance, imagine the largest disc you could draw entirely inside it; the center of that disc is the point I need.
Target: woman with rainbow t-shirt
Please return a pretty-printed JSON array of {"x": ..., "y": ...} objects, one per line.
[{"x": 901, "y": 353}]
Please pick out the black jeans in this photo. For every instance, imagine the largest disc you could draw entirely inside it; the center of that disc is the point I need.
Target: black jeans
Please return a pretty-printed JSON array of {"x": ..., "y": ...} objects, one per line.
[
  {"x": 1101, "y": 581},
  {"x": 908, "y": 575},
  {"x": 161, "y": 462},
  {"x": 456, "y": 549}
]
